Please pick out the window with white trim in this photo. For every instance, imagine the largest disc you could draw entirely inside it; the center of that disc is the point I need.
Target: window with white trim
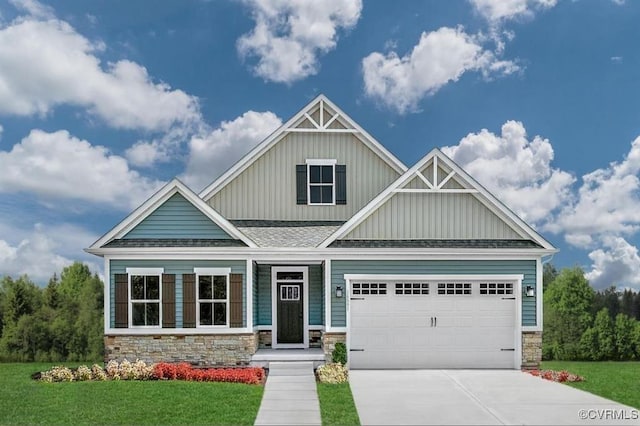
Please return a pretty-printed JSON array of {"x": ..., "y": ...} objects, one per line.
[
  {"x": 212, "y": 298},
  {"x": 145, "y": 290},
  {"x": 321, "y": 178},
  {"x": 412, "y": 288},
  {"x": 454, "y": 289},
  {"x": 496, "y": 288},
  {"x": 368, "y": 289}
]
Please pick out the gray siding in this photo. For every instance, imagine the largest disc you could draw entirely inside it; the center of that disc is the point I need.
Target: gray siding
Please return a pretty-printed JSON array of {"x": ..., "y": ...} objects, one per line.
[
  {"x": 177, "y": 267},
  {"x": 177, "y": 218},
  {"x": 444, "y": 267},
  {"x": 433, "y": 216},
  {"x": 316, "y": 295},
  {"x": 255, "y": 293},
  {"x": 267, "y": 189}
]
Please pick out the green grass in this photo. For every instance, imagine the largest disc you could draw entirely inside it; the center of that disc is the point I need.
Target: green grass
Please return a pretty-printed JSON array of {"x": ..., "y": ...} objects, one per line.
[
  {"x": 25, "y": 401},
  {"x": 336, "y": 405},
  {"x": 619, "y": 381}
]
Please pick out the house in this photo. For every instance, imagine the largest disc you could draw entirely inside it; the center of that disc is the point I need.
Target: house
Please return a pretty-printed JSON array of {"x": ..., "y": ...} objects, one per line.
[{"x": 320, "y": 235}]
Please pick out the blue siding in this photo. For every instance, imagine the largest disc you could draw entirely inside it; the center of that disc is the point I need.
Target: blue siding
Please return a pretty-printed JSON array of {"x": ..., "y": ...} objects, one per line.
[
  {"x": 316, "y": 295},
  {"x": 444, "y": 267},
  {"x": 177, "y": 218},
  {"x": 177, "y": 267}
]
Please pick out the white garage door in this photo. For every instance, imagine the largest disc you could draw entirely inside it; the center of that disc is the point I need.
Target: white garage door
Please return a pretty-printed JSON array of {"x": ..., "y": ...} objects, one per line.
[{"x": 433, "y": 324}]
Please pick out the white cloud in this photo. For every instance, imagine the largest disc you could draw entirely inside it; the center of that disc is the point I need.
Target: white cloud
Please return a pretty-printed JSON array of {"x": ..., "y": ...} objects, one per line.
[
  {"x": 290, "y": 35},
  {"x": 45, "y": 63},
  {"x": 440, "y": 57},
  {"x": 617, "y": 264},
  {"x": 43, "y": 251},
  {"x": 607, "y": 203},
  {"x": 215, "y": 152},
  {"x": 58, "y": 165},
  {"x": 517, "y": 170},
  {"x": 501, "y": 10},
  {"x": 33, "y": 8}
]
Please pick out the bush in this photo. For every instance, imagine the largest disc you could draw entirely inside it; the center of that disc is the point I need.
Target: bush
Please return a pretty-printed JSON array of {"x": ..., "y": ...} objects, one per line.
[
  {"x": 82, "y": 373},
  {"x": 59, "y": 373},
  {"x": 557, "y": 376},
  {"x": 332, "y": 373},
  {"x": 184, "y": 371},
  {"x": 339, "y": 354}
]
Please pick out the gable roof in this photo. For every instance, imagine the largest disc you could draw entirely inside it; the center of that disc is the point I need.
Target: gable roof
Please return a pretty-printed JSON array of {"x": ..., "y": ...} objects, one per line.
[
  {"x": 319, "y": 115},
  {"x": 175, "y": 186},
  {"x": 413, "y": 180}
]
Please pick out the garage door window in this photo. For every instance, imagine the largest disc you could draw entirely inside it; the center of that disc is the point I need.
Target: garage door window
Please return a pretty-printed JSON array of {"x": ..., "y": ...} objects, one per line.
[
  {"x": 496, "y": 288},
  {"x": 412, "y": 288},
  {"x": 366, "y": 289},
  {"x": 454, "y": 289}
]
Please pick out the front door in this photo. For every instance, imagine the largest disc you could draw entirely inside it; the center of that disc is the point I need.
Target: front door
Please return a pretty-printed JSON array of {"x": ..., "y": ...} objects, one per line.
[{"x": 290, "y": 284}]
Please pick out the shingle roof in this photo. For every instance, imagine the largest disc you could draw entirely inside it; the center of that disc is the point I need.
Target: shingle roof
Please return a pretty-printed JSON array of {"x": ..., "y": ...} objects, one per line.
[
  {"x": 485, "y": 244},
  {"x": 287, "y": 233},
  {"x": 173, "y": 242}
]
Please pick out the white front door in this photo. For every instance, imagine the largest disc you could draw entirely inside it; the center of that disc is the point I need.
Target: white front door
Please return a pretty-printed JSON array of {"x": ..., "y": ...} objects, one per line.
[{"x": 433, "y": 324}]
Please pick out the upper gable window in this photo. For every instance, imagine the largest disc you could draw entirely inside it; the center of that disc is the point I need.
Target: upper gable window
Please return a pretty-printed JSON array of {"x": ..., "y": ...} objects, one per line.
[
  {"x": 321, "y": 175},
  {"x": 321, "y": 182}
]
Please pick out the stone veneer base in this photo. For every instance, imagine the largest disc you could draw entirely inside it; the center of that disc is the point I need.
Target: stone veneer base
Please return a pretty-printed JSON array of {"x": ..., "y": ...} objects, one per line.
[
  {"x": 531, "y": 350},
  {"x": 201, "y": 349}
]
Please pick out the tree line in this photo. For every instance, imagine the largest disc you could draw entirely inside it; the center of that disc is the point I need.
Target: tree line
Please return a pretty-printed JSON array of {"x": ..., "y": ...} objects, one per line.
[
  {"x": 60, "y": 322},
  {"x": 588, "y": 325}
]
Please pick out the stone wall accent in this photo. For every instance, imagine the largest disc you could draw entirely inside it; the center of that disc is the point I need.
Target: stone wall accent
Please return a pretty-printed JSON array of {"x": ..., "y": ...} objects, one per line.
[
  {"x": 264, "y": 339},
  {"x": 315, "y": 338},
  {"x": 531, "y": 349},
  {"x": 329, "y": 341},
  {"x": 200, "y": 349}
]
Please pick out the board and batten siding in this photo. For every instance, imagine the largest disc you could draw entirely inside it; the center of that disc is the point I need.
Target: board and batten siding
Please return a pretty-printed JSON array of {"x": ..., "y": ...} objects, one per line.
[
  {"x": 316, "y": 295},
  {"x": 267, "y": 189},
  {"x": 177, "y": 218},
  {"x": 177, "y": 267},
  {"x": 434, "y": 267},
  {"x": 433, "y": 216}
]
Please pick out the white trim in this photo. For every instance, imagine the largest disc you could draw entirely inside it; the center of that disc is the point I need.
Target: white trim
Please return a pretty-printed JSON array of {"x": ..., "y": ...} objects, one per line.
[
  {"x": 156, "y": 200},
  {"x": 515, "y": 278},
  {"x": 274, "y": 306},
  {"x": 145, "y": 271},
  {"x": 175, "y": 331},
  {"x": 106, "y": 299},
  {"x": 321, "y": 161},
  {"x": 249, "y": 293},
  {"x": 282, "y": 131},
  {"x": 327, "y": 294},
  {"x": 484, "y": 196},
  {"x": 312, "y": 327},
  {"x": 437, "y": 191},
  {"x": 212, "y": 272}
]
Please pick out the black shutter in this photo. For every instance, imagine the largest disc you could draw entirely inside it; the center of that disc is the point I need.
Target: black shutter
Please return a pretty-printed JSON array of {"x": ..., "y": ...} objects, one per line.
[
  {"x": 301, "y": 184},
  {"x": 122, "y": 300},
  {"x": 235, "y": 300},
  {"x": 341, "y": 184},
  {"x": 168, "y": 301},
  {"x": 189, "y": 300}
]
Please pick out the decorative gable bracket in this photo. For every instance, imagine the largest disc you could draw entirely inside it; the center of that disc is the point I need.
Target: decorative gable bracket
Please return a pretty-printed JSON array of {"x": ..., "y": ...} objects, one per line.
[
  {"x": 322, "y": 118},
  {"x": 435, "y": 182}
]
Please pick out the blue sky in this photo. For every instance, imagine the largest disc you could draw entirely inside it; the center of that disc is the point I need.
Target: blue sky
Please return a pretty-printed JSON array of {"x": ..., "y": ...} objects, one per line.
[{"x": 102, "y": 102}]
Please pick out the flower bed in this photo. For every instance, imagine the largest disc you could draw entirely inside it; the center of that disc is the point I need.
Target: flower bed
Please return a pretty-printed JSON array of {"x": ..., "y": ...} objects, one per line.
[
  {"x": 139, "y": 370},
  {"x": 557, "y": 376}
]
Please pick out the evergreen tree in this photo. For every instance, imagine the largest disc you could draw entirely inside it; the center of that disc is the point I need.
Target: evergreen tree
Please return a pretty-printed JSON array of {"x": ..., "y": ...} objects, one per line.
[{"x": 624, "y": 339}]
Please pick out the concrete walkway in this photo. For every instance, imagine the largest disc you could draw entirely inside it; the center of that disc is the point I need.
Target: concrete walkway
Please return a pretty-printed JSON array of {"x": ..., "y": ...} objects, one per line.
[{"x": 290, "y": 396}]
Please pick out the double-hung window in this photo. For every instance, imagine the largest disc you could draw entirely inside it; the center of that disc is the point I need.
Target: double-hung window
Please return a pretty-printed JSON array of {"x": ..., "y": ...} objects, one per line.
[
  {"x": 321, "y": 176},
  {"x": 145, "y": 293},
  {"x": 212, "y": 304}
]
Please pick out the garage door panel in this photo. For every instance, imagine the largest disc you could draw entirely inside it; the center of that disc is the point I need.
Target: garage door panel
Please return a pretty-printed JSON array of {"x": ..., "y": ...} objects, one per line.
[{"x": 395, "y": 330}]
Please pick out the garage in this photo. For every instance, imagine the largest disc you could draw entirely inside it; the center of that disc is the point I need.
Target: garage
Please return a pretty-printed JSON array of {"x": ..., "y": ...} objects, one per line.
[{"x": 434, "y": 323}]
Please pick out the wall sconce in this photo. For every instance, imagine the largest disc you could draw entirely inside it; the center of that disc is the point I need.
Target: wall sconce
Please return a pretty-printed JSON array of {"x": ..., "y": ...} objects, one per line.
[
  {"x": 529, "y": 291},
  {"x": 338, "y": 291}
]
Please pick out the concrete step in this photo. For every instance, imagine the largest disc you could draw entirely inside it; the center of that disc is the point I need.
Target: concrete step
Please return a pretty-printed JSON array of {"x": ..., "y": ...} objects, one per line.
[{"x": 265, "y": 357}]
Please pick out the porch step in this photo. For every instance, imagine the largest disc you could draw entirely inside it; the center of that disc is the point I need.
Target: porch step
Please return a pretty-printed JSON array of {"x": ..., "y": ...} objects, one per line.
[{"x": 265, "y": 357}]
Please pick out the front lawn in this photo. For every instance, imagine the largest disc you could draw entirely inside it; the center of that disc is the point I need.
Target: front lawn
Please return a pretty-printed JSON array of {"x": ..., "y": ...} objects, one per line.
[
  {"x": 619, "y": 381},
  {"x": 336, "y": 404},
  {"x": 25, "y": 401}
]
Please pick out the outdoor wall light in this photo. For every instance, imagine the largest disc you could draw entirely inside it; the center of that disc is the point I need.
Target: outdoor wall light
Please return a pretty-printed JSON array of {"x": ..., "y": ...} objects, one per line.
[
  {"x": 529, "y": 291},
  {"x": 338, "y": 291}
]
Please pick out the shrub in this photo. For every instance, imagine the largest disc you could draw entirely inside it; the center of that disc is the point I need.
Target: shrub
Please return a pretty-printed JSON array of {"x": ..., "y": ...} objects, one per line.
[
  {"x": 557, "y": 376},
  {"x": 332, "y": 373},
  {"x": 184, "y": 371},
  {"x": 82, "y": 373},
  {"x": 98, "y": 373},
  {"x": 339, "y": 354},
  {"x": 57, "y": 374}
]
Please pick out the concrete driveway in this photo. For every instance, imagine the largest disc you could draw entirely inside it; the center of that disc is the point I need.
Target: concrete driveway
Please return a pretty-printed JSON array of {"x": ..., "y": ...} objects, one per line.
[{"x": 477, "y": 397}]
